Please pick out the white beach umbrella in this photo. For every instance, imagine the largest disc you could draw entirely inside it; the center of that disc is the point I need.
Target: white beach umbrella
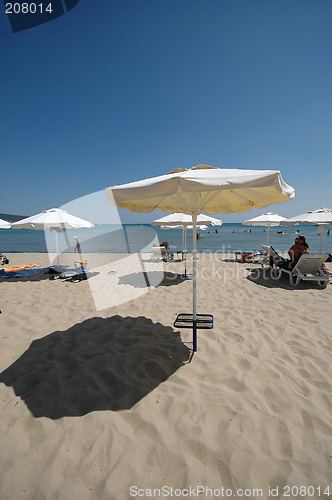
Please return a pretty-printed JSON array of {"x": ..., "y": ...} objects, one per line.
[
  {"x": 269, "y": 219},
  {"x": 320, "y": 217},
  {"x": 186, "y": 221},
  {"x": 54, "y": 219},
  {"x": 198, "y": 189},
  {"x": 4, "y": 224}
]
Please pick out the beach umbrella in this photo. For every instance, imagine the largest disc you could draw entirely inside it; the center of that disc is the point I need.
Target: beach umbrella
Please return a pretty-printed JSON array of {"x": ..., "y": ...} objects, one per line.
[
  {"x": 184, "y": 238},
  {"x": 55, "y": 219},
  {"x": 269, "y": 219},
  {"x": 4, "y": 224},
  {"x": 320, "y": 217},
  {"x": 186, "y": 221},
  {"x": 198, "y": 189}
]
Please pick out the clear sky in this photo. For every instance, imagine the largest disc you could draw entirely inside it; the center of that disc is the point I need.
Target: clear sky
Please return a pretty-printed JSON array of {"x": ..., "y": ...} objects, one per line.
[{"x": 117, "y": 91}]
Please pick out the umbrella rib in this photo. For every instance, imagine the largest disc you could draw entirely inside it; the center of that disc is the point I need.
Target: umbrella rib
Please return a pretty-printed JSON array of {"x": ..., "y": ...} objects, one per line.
[
  {"x": 215, "y": 193},
  {"x": 178, "y": 195}
]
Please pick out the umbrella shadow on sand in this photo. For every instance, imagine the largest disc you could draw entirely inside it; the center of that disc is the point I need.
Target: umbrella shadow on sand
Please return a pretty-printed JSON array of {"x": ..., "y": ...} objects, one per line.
[
  {"x": 99, "y": 364},
  {"x": 152, "y": 278}
]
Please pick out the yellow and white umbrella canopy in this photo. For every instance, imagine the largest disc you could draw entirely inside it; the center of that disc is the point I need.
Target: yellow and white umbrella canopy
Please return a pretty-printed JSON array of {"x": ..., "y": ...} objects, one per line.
[{"x": 203, "y": 188}]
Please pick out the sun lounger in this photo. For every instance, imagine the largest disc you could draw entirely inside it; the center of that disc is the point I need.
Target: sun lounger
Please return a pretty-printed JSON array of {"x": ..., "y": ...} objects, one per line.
[
  {"x": 272, "y": 254},
  {"x": 79, "y": 271},
  {"x": 161, "y": 253},
  {"x": 248, "y": 256},
  {"x": 308, "y": 268}
]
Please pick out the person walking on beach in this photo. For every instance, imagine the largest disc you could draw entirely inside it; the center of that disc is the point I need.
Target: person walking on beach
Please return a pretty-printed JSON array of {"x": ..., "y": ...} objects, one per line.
[{"x": 78, "y": 245}]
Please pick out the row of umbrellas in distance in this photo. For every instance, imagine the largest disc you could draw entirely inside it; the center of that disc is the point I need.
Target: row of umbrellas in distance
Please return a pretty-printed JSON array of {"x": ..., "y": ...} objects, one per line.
[
  {"x": 58, "y": 219},
  {"x": 321, "y": 217}
]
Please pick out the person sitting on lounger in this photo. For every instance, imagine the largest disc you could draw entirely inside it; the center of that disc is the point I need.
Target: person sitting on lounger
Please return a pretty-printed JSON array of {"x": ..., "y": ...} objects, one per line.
[
  {"x": 170, "y": 254},
  {"x": 300, "y": 246},
  {"x": 295, "y": 249}
]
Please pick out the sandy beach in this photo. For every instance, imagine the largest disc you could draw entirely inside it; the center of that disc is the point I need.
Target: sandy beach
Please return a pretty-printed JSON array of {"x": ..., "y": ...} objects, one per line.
[{"x": 106, "y": 403}]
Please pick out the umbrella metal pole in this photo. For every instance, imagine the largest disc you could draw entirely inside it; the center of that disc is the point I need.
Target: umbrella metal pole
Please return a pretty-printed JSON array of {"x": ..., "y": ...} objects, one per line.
[
  {"x": 57, "y": 246},
  {"x": 185, "y": 251},
  {"x": 194, "y": 283},
  {"x": 268, "y": 233}
]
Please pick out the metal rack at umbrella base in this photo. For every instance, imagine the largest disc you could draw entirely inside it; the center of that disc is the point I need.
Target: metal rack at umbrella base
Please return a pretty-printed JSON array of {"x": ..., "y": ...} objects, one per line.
[
  {"x": 202, "y": 322},
  {"x": 185, "y": 276}
]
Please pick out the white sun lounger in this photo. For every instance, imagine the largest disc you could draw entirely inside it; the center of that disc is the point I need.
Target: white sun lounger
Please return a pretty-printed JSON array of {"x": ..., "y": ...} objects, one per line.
[
  {"x": 161, "y": 253},
  {"x": 308, "y": 268},
  {"x": 271, "y": 252}
]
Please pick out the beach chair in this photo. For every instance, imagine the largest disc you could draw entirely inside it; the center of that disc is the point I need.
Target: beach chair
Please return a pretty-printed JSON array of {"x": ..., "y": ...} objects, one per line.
[
  {"x": 271, "y": 261},
  {"x": 161, "y": 253},
  {"x": 253, "y": 256},
  {"x": 272, "y": 255},
  {"x": 308, "y": 268},
  {"x": 79, "y": 271}
]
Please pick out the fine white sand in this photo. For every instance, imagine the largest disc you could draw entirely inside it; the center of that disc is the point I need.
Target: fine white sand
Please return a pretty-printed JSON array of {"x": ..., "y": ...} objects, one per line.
[{"x": 99, "y": 393}]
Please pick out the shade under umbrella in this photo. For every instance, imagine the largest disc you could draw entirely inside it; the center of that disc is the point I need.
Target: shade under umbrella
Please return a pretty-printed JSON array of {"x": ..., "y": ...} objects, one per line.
[
  {"x": 269, "y": 219},
  {"x": 320, "y": 217},
  {"x": 4, "y": 224},
  {"x": 198, "y": 189},
  {"x": 54, "y": 219},
  {"x": 185, "y": 221}
]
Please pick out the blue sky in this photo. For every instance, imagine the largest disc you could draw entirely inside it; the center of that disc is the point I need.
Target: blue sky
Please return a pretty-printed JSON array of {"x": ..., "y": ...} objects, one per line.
[{"x": 117, "y": 91}]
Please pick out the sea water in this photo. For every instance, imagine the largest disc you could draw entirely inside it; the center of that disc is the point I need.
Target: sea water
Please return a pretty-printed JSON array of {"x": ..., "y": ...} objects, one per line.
[{"x": 229, "y": 237}]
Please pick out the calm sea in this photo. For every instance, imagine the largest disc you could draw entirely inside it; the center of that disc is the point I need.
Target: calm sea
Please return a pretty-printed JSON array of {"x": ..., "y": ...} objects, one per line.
[{"x": 135, "y": 237}]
